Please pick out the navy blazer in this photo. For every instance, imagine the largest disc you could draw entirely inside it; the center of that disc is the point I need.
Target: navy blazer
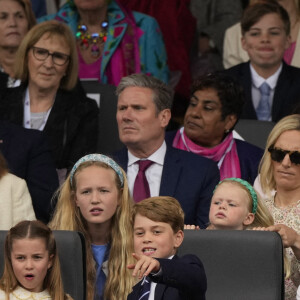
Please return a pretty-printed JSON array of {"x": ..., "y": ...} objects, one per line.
[
  {"x": 28, "y": 156},
  {"x": 249, "y": 156},
  {"x": 181, "y": 278},
  {"x": 286, "y": 95},
  {"x": 187, "y": 177}
]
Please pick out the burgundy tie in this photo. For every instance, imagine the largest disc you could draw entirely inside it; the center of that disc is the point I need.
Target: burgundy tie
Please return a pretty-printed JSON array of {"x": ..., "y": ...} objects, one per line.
[{"x": 141, "y": 188}]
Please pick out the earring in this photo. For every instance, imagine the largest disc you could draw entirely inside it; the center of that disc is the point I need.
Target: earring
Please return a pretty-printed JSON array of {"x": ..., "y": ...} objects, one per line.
[{"x": 227, "y": 130}]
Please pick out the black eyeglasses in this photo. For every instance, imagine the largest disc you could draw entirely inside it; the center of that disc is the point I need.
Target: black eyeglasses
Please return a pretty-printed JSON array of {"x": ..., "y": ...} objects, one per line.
[
  {"x": 58, "y": 58},
  {"x": 278, "y": 155}
]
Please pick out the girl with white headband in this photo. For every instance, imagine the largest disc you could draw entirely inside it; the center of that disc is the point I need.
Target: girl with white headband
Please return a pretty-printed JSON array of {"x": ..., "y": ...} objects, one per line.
[{"x": 95, "y": 200}]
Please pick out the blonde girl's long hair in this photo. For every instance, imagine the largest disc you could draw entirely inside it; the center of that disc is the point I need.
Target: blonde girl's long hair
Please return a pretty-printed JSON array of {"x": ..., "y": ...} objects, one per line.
[
  {"x": 33, "y": 230},
  {"x": 67, "y": 216}
]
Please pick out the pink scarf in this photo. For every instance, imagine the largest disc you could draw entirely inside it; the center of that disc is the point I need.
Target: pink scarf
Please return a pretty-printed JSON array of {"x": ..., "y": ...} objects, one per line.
[{"x": 225, "y": 153}]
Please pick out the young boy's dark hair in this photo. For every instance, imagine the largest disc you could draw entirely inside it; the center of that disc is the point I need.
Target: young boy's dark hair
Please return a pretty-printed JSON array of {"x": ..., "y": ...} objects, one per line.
[
  {"x": 161, "y": 209},
  {"x": 253, "y": 13}
]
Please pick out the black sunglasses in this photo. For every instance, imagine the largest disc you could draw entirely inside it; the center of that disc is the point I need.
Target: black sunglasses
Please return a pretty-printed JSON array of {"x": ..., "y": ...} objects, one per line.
[{"x": 278, "y": 155}]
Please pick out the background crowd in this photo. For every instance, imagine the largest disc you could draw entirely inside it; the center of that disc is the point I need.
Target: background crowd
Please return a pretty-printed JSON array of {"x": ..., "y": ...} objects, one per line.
[{"x": 184, "y": 74}]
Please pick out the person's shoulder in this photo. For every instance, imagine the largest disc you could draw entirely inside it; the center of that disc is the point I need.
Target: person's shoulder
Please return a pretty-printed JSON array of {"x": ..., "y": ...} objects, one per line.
[
  {"x": 237, "y": 68},
  {"x": 294, "y": 71},
  {"x": 138, "y": 16},
  {"x": 169, "y": 137},
  {"x": 245, "y": 146},
  {"x": 16, "y": 131},
  {"x": 186, "y": 156},
  {"x": 13, "y": 179},
  {"x": 76, "y": 97},
  {"x": 189, "y": 258}
]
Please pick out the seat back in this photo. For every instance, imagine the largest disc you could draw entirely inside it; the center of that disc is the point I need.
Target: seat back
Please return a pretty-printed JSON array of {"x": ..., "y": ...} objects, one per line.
[
  {"x": 239, "y": 264},
  {"x": 254, "y": 131},
  {"x": 71, "y": 251},
  {"x": 104, "y": 94}
]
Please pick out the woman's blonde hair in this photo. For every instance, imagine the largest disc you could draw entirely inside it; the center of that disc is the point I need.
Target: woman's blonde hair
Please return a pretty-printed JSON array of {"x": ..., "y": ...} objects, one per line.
[
  {"x": 67, "y": 216},
  {"x": 267, "y": 181},
  {"x": 33, "y": 230},
  {"x": 51, "y": 28}
]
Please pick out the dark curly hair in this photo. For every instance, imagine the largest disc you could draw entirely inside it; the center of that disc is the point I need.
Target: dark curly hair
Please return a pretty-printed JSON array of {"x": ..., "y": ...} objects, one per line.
[{"x": 230, "y": 92}]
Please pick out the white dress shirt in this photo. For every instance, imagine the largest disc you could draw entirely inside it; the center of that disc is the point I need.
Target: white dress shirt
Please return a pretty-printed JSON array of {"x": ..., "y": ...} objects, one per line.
[
  {"x": 153, "y": 173},
  {"x": 257, "y": 81}
]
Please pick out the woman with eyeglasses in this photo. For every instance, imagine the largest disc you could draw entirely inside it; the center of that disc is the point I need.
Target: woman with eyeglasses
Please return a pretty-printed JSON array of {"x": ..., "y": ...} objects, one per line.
[
  {"x": 47, "y": 99},
  {"x": 280, "y": 185}
]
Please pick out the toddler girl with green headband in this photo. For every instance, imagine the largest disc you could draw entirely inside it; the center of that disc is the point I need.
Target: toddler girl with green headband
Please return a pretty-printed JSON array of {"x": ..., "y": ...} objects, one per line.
[{"x": 235, "y": 205}]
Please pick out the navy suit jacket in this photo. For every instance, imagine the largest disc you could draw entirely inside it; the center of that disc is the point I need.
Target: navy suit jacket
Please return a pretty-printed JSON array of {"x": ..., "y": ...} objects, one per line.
[
  {"x": 187, "y": 177},
  {"x": 286, "y": 95},
  {"x": 28, "y": 156},
  {"x": 181, "y": 278},
  {"x": 249, "y": 156}
]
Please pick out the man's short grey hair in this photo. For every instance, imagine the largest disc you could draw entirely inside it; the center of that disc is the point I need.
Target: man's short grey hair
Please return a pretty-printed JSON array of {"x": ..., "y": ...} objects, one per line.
[{"x": 162, "y": 93}]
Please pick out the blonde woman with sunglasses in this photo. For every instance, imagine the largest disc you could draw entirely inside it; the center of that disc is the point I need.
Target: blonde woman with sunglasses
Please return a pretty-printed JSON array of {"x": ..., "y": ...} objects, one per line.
[{"x": 280, "y": 183}]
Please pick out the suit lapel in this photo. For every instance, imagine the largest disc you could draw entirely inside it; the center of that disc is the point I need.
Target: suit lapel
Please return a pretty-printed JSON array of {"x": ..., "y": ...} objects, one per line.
[
  {"x": 281, "y": 89},
  {"x": 159, "y": 291},
  {"x": 121, "y": 157},
  {"x": 171, "y": 172},
  {"x": 160, "y": 288},
  {"x": 246, "y": 79}
]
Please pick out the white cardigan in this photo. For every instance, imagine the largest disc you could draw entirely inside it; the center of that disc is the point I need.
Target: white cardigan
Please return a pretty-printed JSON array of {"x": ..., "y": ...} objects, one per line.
[{"x": 15, "y": 201}]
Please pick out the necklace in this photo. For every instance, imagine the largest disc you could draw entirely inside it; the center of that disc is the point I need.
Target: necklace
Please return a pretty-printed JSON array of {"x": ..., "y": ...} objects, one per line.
[{"x": 95, "y": 39}]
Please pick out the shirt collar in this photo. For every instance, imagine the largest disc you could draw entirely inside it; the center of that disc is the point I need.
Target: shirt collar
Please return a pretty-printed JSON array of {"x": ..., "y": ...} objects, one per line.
[
  {"x": 157, "y": 157},
  {"x": 21, "y": 293},
  {"x": 257, "y": 80}
]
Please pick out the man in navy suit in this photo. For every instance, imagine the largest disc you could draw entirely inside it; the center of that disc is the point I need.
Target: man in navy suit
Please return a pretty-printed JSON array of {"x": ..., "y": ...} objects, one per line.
[
  {"x": 144, "y": 111},
  {"x": 266, "y": 37},
  {"x": 28, "y": 156}
]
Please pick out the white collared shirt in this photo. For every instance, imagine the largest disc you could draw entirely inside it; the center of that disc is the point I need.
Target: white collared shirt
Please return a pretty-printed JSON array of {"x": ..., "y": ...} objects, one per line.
[
  {"x": 153, "y": 173},
  {"x": 257, "y": 81}
]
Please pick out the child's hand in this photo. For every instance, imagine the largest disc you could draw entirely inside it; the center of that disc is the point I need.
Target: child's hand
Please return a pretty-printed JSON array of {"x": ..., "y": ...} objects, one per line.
[
  {"x": 144, "y": 265},
  {"x": 192, "y": 227}
]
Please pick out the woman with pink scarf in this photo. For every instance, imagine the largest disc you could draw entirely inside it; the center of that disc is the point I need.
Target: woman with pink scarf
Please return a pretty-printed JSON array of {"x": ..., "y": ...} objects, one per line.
[{"x": 215, "y": 106}]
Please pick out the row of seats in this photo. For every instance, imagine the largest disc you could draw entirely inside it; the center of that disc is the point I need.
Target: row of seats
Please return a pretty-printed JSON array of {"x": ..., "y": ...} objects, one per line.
[{"x": 240, "y": 265}]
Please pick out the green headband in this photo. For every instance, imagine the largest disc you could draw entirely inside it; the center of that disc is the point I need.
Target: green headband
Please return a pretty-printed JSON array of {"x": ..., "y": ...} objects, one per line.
[{"x": 248, "y": 186}]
